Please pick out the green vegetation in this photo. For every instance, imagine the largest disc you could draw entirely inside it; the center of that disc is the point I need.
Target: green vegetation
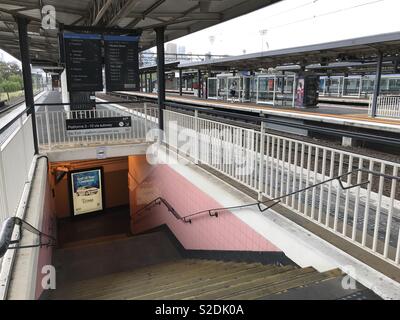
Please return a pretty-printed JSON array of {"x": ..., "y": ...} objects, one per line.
[
  {"x": 11, "y": 95},
  {"x": 11, "y": 84}
]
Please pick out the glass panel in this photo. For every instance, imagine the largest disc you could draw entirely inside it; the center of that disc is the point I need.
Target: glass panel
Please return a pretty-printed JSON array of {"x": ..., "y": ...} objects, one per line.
[{"x": 212, "y": 87}]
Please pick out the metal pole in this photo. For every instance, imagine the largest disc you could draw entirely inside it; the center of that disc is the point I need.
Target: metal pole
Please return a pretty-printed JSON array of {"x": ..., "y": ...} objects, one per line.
[
  {"x": 160, "y": 74},
  {"x": 151, "y": 83},
  {"x": 180, "y": 81},
  {"x": 199, "y": 83},
  {"x": 377, "y": 84},
  {"x": 26, "y": 74},
  {"x": 145, "y": 82}
]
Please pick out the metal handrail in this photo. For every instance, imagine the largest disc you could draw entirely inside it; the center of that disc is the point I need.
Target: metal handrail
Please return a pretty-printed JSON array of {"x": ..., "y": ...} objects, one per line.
[
  {"x": 50, "y": 104},
  {"x": 7, "y": 230},
  {"x": 215, "y": 212},
  {"x": 392, "y": 141},
  {"x": 159, "y": 201},
  {"x": 15, "y": 119},
  {"x": 27, "y": 111}
]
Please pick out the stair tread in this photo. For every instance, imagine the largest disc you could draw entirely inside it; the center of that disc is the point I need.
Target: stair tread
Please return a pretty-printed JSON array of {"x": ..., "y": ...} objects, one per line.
[
  {"x": 97, "y": 240},
  {"x": 180, "y": 279},
  {"x": 160, "y": 277}
]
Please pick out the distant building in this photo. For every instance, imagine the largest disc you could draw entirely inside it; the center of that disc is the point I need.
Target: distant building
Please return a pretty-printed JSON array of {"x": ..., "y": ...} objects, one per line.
[
  {"x": 172, "y": 48},
  {"x": 181, "y": 49}
]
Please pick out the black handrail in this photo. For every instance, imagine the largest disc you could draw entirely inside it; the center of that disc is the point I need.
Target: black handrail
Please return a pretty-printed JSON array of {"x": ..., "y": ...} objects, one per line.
[
  {"x": 11, "y": 122},
  {"x": 19, "y": 115},
  {"x": 7, "y": 230},
  {"x": 159, "y": 201},
  {"x": 53, "y": 104},
  {"x": 215, "y": 211}
]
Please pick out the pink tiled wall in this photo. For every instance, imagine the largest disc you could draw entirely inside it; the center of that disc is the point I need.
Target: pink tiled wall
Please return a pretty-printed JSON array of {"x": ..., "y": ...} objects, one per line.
[{"x": 227, "y": 232}]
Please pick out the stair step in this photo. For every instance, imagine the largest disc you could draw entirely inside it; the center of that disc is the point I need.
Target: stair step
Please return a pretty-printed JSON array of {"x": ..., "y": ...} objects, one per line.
[
  {"x": 196, "y": 279},
  {"x": 98, "y": 240},
  {"x": 244, "y": 284},
  {"x": 95, "y": 260},
  {"x": 179, "y": 286},
  {"x": 162, "y": 277},
  {"x": 280, "y": 286},
  {"x": 228, "y": 282}
]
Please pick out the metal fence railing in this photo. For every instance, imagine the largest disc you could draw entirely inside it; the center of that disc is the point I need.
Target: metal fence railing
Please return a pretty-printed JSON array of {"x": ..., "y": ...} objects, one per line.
[
  {"x": 367, "y": 215},
  {"x": 387, "y": 106},
  {"x": 52, "y": 128}
]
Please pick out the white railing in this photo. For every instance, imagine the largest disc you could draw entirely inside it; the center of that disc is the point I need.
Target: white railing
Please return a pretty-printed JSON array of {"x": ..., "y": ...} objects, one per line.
[
  {"x": 273, "y": 166},
  {"x": 16, "y": 156},
  {"x": 387, "y": 106},
  {"x": 52, "y": 132}
]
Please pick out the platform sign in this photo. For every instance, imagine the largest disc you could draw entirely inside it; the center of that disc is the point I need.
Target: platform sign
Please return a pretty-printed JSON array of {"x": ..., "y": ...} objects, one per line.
[
  {"x": 83, "y": 62},
  {"x": 86, "y": 191},
  {"x": 98, "y": 126},
  {"x": 121, "y": 63}
]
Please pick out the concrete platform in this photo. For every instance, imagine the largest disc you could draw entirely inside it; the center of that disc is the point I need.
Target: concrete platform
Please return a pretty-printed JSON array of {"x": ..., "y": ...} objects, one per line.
[{"x": 336, "y": 114}]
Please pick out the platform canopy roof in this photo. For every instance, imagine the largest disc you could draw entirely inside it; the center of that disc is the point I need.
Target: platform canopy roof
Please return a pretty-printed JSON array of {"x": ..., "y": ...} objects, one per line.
[
  {"x": 357, "y": 50},
  {"x": 180, "y": 17}
]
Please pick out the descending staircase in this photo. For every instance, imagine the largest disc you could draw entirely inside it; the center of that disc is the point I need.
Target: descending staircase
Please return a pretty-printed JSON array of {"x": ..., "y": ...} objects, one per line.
[
  {"x": 151, "y": 266},
  {"x": 195, "y": 279}
]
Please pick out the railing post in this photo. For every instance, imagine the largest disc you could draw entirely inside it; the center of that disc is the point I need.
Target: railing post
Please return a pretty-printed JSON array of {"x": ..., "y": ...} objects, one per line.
[
  {"x": 196, "y": 140},
  {"x": 145, "y": 120},
  {"x": 3, "y": 192},
  {"x": 27, "y": 75},
  {"x": 377, "y": 85},
  {"x": 46, "y": 112},
  {"x": 261, "y": 168}
]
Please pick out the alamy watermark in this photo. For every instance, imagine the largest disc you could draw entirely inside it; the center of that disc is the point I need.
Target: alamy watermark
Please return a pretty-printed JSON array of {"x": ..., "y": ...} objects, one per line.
[
  {"x": 49, "y": 277},
  {"x": 48, "y": 17},
  {"x": 218, "y": 148}
]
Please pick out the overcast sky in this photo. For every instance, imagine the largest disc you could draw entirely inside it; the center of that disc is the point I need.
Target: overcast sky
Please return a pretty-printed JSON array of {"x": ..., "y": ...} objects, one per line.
[{"x": 293, "y": 23}]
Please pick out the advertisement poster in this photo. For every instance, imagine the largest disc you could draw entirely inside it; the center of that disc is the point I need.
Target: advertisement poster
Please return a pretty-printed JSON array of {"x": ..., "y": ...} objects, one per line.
[
  {"x": 300, "y": 93},
  {"x": 87, "y": 192}
]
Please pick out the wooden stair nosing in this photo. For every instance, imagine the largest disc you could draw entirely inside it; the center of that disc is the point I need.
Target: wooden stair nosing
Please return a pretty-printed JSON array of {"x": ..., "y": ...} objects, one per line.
[
  {"x": 250, "y": 285},
  {"x": 140, "y": 275},
  {"x": 226, "y": 283},
  {"x": 295, "y": 282},
  {"x": 208, "y": 279},
  {"x": 165, "y": 279}
]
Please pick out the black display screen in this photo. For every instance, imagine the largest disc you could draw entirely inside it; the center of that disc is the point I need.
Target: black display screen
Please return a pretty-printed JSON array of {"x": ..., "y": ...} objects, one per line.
[
  {"x": 83, "y": 62},
  {"x": 121, "y": 63}
]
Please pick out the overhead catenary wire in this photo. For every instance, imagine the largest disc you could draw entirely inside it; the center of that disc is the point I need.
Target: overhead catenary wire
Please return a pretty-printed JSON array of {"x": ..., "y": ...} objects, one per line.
[{"x": 324, "y": 14}]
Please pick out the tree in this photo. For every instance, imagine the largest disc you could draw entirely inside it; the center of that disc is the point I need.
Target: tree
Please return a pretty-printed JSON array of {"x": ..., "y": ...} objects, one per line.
[
  {"x": 10, "y": 78},
  {"x": 8, "y": 70},
  {"x": 9, "y": 86}
]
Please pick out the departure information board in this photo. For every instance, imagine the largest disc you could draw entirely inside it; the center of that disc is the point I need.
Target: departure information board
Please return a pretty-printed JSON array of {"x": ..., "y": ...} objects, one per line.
[
  {"x": 83, "y": 62},
  {"x": 121, "y": 63}
]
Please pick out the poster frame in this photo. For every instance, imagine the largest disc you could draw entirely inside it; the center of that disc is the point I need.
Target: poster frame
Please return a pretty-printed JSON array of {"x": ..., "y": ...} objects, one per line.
[{"x": 71, "y": 201}]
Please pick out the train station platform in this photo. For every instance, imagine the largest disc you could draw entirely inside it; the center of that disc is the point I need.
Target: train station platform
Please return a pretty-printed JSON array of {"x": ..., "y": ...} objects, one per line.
[{"x": 351, "y": 116}]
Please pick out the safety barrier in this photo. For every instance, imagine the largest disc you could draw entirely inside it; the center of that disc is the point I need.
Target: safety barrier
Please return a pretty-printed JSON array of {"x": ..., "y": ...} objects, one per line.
[
  {"x": 16, "y": 157},
  {"x": 52, "y": 126},
  {"x": 387, "y": 106},
  {"x": 367, "y": 215}
]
